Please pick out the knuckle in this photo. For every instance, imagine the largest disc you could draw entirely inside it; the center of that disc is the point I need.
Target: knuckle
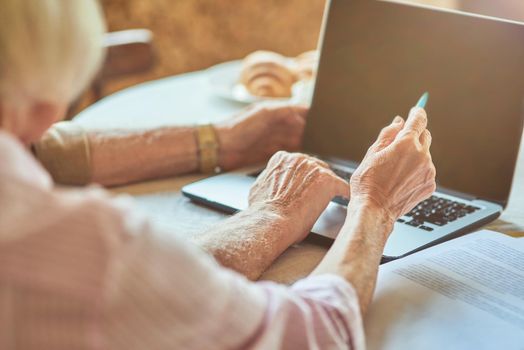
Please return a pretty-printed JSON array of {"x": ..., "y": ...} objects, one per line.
[
  {"x": 432, "y": 170},
  {"x": 291, "y": 155},
  {"x": 318, "y": 168},
  {"x": 281, "y": 154},
  {"x": 385, "y": 130},
  {"x": 432, "y": 174},
  {"x": 296, "y": 156},
  {"x": 406, "y": 141},
  {"x": 411, "y": 135},
  {"x": 408, "y": 135},
  {"x": 427, "y": 135},
  {"x": 314, "y": 175},
  {"x": 328, "y": 173},
  {"x": 322, "y": 174},
  {"x": 423, "y": 154},
  {"x": 322, "y": 163},
  {"x": 300, "y": 156},
  {"x": 420, "y": 114},
  {"x": 310, "y": 159},
  {"x": 318, "y": 171}
]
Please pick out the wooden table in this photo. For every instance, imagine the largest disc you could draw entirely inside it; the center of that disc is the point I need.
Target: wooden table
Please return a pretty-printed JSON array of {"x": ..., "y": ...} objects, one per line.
[{"x": 187, "y": 99}]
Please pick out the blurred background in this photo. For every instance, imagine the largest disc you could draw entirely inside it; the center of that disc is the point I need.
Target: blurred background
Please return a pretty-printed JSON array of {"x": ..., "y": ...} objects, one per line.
[{"x": 187, "y": 35}]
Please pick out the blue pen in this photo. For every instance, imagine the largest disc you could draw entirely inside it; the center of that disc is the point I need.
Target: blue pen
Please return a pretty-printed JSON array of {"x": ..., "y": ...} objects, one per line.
[{"x": 423, "y": 100}]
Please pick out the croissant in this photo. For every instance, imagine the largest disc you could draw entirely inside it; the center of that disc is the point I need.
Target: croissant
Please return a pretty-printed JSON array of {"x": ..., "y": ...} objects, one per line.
[
  {"x": 267, "y": 74},
  {"x": 305, "y": 66}
]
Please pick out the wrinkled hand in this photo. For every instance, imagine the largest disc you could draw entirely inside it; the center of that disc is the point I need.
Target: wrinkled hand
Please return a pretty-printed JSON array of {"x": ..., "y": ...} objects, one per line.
[
  {"x": 258, "y": 132},
  {"x": 298, "y": 188},
  {"x": 397, "y": 172}
]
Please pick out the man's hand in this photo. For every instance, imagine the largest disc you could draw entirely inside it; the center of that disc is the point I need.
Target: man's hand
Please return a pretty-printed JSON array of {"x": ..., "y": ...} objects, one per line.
[
  {"x": 298, "y": 188},
  {"x": 258, "y": 132},
  {"x": 397, "y": 172}
]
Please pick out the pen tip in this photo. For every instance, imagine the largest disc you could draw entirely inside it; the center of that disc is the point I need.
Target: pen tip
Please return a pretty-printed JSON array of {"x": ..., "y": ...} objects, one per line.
[{"x": 423, "y": 100}]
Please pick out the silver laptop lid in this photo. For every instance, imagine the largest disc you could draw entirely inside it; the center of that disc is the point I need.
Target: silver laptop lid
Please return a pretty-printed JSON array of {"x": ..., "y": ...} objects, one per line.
[{"x": 378, "y": 57}]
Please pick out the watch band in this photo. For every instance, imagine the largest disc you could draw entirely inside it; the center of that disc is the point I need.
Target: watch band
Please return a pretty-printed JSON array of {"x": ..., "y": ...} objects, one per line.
[{"x": 207, "y": 149}]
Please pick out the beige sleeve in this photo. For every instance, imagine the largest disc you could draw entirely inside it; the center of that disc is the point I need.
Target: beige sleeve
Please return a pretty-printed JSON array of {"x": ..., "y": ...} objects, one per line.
[{"x": 64, "y": 152}]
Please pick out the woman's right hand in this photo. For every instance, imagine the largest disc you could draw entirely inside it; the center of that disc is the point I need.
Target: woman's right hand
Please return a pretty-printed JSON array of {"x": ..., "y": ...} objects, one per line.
[{"x": 397, "y": 172}]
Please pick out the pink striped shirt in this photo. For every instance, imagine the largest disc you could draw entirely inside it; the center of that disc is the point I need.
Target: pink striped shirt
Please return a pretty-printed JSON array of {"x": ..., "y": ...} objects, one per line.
[{"x": 82, "y": 270}]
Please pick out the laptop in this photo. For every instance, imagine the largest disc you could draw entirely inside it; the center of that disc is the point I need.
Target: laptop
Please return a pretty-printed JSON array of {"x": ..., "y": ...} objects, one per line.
[{"x": 377, "y": 58}]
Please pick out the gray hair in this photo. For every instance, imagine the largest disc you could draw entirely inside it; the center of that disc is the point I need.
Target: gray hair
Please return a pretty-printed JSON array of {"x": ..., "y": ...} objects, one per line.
[{"x": 49, "y": 49}]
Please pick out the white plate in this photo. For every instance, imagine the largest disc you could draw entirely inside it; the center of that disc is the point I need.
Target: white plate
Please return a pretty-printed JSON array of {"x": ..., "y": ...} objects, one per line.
[{"x": 224, "y": 77}]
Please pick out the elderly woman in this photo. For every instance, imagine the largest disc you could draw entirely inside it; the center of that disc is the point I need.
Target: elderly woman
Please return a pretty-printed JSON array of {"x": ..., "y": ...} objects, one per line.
[{"x": 80, "y": 269}]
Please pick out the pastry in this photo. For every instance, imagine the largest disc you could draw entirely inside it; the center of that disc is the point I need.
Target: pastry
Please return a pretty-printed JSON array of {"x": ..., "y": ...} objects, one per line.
[
  {"x": 267, "y": 74},
  {"x": 305, "y": 65}
]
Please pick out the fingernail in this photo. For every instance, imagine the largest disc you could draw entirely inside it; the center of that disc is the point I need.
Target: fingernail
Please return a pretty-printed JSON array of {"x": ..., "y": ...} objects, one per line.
[{"x": 397, "y": 120}]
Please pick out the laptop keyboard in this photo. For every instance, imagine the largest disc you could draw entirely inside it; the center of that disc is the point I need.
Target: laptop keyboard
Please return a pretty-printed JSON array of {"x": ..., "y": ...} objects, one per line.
[{"x": 435, "y": 210}]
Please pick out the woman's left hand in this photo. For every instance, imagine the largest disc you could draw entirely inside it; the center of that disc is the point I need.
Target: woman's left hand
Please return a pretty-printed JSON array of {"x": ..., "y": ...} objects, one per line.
[{"x": 258, "y": 132}]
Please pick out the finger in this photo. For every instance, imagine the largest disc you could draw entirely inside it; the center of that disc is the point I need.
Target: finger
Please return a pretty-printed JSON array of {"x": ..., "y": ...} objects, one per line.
[
  {"x": 294, "y": 159},
  {"x": 276, "y": 159},
  {"x": 318, "y": 162},
  {"x": 332, "y": 185},
  {"x": 341, "y": 188},
  {"x": 387, "y": 135},
  {"x": 431, "y": 174},
  {"x": 425, "y": 139},
  {"x": 301, "y": 110},
  {"x": 290, "y": 144},
  {"x": 291, "y": 113},
  {"x": 416, "y": 122},
  {"x": 295, "y": 120}
]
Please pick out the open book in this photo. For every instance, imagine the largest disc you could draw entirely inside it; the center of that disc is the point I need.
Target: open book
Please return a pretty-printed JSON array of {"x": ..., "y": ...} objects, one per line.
[{"x": 467, "y": 293}]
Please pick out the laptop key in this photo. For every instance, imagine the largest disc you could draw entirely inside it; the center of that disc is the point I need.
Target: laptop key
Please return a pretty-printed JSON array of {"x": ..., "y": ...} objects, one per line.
[
  {"x": 437, "y": 220},
  {"x": 415, "y": 223},
  {"x": 470, "y": 209},
  {"x": 451, "y": 218},
  {"x": 438, "y": 211},
  {"x": 426, "y": 228}
]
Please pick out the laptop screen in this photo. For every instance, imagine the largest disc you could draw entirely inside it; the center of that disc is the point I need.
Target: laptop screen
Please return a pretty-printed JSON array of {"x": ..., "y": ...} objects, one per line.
[{"x": 378, "y": 58}]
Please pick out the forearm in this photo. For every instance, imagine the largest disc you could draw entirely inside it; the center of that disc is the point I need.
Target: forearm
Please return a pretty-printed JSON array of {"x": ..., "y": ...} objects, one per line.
[
  {"x": 119, "y": 157},
  {"x": 247, "y": 242},
  {"x": 356, "y": 253}
]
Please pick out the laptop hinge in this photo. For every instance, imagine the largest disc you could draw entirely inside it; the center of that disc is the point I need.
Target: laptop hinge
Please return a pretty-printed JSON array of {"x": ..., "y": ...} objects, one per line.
[
  {"x": 467, "y": 196},
  {"x": 454, "y": 193}
]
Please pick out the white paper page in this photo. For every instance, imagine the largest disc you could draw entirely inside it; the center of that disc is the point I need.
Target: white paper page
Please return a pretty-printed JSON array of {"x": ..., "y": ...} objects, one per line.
[{"x": 467, "y": 293}]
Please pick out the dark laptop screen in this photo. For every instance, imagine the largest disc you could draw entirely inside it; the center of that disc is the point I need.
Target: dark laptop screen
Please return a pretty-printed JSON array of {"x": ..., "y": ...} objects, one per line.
[{"x": 379, "y": 57}]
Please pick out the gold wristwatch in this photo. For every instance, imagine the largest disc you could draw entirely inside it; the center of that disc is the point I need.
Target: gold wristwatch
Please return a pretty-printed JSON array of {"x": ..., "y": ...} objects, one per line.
[{"x": 208, "y": 147}]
